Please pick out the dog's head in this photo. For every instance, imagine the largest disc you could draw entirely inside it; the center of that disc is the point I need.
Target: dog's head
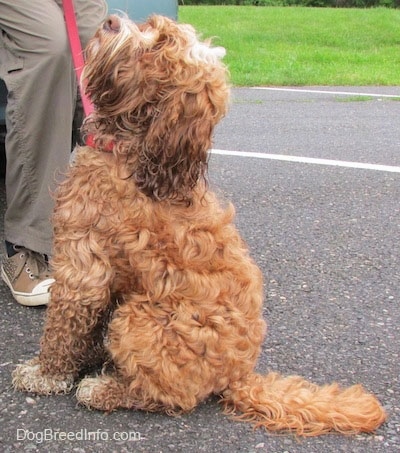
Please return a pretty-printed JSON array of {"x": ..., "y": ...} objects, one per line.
[{"x": 158, "y": 92}]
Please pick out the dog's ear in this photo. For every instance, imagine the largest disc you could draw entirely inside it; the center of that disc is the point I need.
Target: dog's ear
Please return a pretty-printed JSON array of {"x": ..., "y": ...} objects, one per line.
[{"x": 174, "y": 153}]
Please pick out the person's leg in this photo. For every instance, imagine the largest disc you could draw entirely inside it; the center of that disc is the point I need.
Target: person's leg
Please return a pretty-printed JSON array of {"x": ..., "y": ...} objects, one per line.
[
  {"x": 41, "y": 97},
  {"x": 40, "y": 109},
  {"x": 36, "y": 65},
  {"x": 89, "y": 15}
]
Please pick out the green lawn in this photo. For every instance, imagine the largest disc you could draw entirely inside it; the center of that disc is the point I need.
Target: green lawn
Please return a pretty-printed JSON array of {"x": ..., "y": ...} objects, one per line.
[{"x": 303, "y": 46}]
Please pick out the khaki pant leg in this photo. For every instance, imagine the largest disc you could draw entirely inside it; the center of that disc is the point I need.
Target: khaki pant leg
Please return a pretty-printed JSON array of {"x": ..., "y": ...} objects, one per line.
[{"x": 36, "y": 64}]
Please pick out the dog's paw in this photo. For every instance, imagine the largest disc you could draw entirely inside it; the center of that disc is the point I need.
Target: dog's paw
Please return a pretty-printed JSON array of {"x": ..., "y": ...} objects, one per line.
[
  {"x": 28, "y": 378},
  {"x": 103, "y": 393},
  {"x": 85, "y": 390},
  {"x": 88, "y": 390}
]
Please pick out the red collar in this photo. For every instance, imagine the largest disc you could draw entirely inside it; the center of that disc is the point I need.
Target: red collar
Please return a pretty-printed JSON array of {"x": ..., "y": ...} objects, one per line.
[{"x": 90, "y": 141}]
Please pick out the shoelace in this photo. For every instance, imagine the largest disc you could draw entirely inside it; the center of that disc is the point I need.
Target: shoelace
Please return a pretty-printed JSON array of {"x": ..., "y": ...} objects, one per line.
[{"x": 36, "y": 263}]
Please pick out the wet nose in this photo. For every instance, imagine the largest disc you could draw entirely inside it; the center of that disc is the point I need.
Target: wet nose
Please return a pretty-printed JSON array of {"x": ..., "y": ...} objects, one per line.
[{"x": 112, "y": 23}]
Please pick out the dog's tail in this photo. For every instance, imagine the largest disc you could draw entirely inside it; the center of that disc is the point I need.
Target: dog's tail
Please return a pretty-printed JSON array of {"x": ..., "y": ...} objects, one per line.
[{"x": 292, "y": 403}]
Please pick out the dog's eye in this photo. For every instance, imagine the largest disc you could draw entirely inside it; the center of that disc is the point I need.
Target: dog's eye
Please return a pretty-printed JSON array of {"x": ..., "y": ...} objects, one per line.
[{"x": 112, "y": 24}]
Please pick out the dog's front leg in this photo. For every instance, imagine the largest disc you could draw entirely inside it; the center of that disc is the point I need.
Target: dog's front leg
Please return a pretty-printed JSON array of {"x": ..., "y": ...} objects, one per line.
[{"x": 73, "y": 334}]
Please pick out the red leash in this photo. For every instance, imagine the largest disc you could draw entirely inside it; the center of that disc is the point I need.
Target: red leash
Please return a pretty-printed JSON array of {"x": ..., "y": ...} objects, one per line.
[{"x": 76, "y": 49}]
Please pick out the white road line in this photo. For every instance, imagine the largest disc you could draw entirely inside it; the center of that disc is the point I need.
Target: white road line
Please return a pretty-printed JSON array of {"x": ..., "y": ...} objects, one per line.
[
  {"x": 347, "y": 93},
  {"x": 308, "y": 160}
]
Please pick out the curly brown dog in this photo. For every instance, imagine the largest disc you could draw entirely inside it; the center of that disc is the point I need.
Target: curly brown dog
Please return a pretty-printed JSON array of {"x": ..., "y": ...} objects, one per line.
[{"x": 152, "y": 279}]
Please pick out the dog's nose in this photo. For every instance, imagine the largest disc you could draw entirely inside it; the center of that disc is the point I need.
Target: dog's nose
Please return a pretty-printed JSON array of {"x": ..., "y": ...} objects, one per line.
[{"x": 112, "y": 23}]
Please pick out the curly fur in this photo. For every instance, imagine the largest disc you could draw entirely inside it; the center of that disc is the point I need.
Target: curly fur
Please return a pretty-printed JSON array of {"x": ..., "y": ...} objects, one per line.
[{"x": 152, "y": 279}]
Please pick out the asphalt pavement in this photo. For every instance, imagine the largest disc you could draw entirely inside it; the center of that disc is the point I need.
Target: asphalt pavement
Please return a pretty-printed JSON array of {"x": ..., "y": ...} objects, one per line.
[{"x": 326, "y": 237}]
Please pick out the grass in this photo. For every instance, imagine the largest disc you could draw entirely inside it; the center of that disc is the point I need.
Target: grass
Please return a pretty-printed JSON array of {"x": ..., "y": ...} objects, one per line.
[{"x": 303, "y": 46}]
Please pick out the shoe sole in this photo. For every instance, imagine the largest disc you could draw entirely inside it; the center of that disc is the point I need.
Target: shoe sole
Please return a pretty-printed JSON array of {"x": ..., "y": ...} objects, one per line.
[{"x": 28, "y": 299}]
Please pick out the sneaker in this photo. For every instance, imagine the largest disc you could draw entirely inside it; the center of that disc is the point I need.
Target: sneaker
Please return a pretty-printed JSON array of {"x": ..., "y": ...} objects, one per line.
[{"x": 28, "y": 276}]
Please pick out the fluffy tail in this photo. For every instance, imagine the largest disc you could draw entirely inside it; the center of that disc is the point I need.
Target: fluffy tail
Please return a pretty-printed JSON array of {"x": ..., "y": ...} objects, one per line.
[{"x": 294, "y": 404}]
